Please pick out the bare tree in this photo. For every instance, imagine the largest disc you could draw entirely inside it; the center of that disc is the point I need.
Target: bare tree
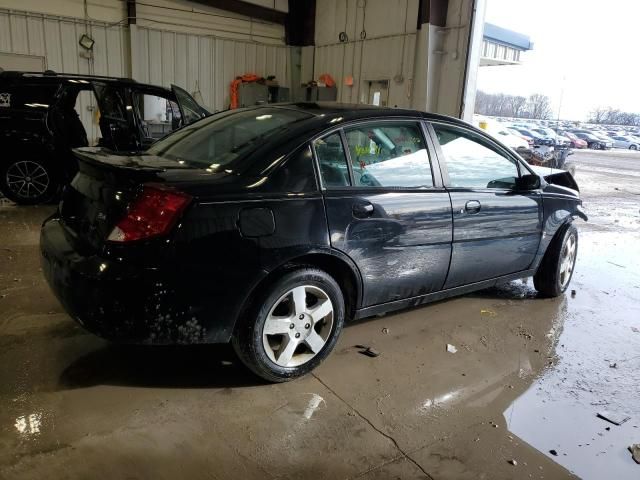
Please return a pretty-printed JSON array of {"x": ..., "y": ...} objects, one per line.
[
  {"x": 517, "y": 105},
  {"x": 598, "y": 115},
  {"x": 613, "y": 116},
  {"x": 539, "y": 106},
  {"x": 503, "y": 105}
]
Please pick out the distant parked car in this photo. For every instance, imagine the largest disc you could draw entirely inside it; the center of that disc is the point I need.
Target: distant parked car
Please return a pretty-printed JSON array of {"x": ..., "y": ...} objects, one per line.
[
  {"x": 538, "y": 139},
  {"x": 545, "y": 134},
  {"x": 593, "y": 142},
  {"x": 558, "y": 139},
  {"x": 509, "y": 139},
  {"x": 605, "y": 138},
  {"x": 620, "y": 141},
  {"x": 526, "y": 138},
  {"x": 575, "y": 141}
]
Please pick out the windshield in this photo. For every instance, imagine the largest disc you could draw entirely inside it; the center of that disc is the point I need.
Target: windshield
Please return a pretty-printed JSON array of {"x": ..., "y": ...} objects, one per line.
[{"x": 217, "y": 141}]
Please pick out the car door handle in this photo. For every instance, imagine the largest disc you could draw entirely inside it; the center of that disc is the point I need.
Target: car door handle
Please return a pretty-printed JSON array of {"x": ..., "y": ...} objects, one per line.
[
  {"x": 362, "y": 210},
  {"x": 472, "y": 206}
]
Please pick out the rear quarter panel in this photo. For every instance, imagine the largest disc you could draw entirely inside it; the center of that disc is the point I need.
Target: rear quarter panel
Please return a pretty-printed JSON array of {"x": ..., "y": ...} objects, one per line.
[{"x": 223, "y": 266}]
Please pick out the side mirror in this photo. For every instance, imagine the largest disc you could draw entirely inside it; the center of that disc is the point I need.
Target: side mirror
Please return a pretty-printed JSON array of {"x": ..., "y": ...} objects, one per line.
[{"x": 527, "y": 182}]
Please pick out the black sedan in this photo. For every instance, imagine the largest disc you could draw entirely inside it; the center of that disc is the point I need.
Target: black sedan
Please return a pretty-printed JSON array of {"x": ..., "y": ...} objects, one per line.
[{"x": 270, "y": 226}]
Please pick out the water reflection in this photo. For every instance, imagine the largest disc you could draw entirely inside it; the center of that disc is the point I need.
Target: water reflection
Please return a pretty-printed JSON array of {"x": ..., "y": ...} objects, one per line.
[{"x": 29, "y": 424}]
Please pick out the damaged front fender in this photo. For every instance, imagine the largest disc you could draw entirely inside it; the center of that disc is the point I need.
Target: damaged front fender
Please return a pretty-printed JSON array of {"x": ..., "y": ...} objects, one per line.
[{"x": 580, "y": 213}]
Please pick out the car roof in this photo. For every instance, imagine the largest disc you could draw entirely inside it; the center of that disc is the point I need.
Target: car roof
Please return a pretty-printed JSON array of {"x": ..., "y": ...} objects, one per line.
[
  {"x": 355, "y": 111},
  {"x": 50, "y": 76}
]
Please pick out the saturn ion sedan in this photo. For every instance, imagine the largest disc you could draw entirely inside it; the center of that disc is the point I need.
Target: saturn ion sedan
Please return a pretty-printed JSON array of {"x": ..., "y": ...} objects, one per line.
[{"x": 269, "y": 227}]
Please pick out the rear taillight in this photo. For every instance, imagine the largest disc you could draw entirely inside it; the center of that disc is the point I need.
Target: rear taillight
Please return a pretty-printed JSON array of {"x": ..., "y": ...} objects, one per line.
[{"x": 153, "y": 213}]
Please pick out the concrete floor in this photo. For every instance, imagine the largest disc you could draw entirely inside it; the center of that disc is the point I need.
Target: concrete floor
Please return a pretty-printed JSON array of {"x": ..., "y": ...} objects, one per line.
[{"x": 529, "y": 376}]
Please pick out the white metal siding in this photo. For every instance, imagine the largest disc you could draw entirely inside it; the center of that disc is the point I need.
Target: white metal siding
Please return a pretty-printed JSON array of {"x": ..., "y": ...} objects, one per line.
[
  {"x": 387, "y": 52},
  {"x": 204, "y": 62}
]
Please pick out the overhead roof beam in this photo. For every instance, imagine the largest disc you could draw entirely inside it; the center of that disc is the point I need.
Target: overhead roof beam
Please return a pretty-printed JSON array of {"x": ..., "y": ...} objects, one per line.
[{"x": 247, "y": 9}]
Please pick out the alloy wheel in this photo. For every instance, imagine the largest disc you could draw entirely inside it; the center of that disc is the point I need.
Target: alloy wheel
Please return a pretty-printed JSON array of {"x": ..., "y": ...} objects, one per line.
[
  {"x": 567, "y": 260},
  {"x": 298, "y": 326},
  {"x": 27, "y": 179}
]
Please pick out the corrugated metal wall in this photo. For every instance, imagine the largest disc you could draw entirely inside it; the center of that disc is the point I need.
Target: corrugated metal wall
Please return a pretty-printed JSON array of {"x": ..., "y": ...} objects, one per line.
[
  {"x": 204, "y": 62},
  {"x": 193, "y": 61},
  {"x": 56, "y": 39},
  {"x": 361, "y": 60},
  {"x": 386, "y": 53}
]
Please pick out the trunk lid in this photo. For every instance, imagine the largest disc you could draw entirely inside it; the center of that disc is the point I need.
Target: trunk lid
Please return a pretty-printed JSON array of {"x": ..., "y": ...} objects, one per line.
[{"x": 103, "y": 188}]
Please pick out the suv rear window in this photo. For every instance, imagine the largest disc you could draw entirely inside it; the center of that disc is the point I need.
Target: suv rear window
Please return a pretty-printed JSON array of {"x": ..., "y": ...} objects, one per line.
[{"x": 217, "y": 141}]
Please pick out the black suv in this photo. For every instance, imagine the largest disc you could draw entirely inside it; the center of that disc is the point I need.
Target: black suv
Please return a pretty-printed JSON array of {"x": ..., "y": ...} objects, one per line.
[{"x": 40, "y": 124}]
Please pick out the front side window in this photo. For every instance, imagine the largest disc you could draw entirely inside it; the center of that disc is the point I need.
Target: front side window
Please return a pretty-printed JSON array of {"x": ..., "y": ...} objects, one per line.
[
  {"x": 472, "y": 162},
  {"x": 389, "y": 154}
]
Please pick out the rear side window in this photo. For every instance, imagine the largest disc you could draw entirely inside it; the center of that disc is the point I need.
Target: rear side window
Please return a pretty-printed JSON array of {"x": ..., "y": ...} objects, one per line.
[
  {"x": 296, "y": 174},
  {"x": 27, "y": 96},
  {"x": 389, "y": 154},
  {"x": 332, "y": 161},
  {"x": 111, "y": 102},
  {"x": 217, "y": 141}
]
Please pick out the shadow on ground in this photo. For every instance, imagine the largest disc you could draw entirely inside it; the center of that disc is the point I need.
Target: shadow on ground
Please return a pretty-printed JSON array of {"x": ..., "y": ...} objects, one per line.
[{"x": 195, "y": 366}]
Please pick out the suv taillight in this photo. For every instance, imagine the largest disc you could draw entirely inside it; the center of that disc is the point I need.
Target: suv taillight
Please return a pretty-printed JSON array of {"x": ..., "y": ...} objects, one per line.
[{"x": 153, "y": 213}]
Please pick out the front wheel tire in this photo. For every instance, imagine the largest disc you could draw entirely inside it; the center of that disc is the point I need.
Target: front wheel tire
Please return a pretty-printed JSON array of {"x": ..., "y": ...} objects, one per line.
[
  {"x": 28, "y": 181},
  {"x": 556, "y": 270},
  {"x": 292, "y": 326}
]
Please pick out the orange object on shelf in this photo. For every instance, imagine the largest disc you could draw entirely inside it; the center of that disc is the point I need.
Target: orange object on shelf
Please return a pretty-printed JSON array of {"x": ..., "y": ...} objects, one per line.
[
  {"x": 327, "y": 80},
  {"x": 246, "y": 78}
]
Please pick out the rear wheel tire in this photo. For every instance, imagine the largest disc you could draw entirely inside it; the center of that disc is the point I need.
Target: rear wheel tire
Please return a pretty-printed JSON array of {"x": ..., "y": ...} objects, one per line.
[
  {"x": 292, "y": 326},
  {"x": 28, "y": 181},
  {"x": 556, "y": 269},
  {"x": 633, "y": 147}
]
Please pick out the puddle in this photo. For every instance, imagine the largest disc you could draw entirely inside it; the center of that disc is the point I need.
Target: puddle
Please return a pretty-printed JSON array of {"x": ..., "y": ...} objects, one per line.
[{"x": 597, "y": 369}]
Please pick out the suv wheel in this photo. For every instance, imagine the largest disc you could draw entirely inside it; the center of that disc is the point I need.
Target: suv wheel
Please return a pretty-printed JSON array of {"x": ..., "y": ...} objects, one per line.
[
  {"x": 28, "y": 181},
  {"x": 555, "y": 271},
  {"x": 292, "y": 327},
  {"x": 633, "y": 147}
]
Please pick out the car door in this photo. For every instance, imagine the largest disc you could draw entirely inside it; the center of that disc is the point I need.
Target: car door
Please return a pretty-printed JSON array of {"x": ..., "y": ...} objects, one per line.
[
  {"x": 386, "y": 207},
  {"x": 117, "y": 123},
  {"x": 190, "y": 110},
  {"x": 496, "y": 230},
  {"x": 156, "y": 113}
]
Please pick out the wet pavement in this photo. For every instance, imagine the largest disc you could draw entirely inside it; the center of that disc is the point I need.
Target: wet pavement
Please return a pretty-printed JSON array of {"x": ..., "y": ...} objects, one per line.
[{"x": 529, "y": 376}]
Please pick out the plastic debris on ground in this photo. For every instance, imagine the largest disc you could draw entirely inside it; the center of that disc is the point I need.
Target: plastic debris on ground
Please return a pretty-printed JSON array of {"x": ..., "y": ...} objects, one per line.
[
  {"x": 368, "y": 351},
  {"x": 615, "y": 418},
  {"x": 451, "y": 348}
]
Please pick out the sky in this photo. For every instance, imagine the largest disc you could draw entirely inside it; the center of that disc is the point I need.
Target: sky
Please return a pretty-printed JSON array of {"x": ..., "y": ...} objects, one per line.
[{"x": 586, "y": 54}]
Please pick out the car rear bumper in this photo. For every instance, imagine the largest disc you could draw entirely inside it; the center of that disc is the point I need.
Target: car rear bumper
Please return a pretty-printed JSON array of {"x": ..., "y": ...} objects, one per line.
[{"x": 125, "y": 303}]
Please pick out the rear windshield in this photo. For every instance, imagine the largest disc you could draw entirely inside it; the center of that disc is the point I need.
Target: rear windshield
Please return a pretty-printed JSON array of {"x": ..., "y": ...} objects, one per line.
[{"x": 217, "y": 141}]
